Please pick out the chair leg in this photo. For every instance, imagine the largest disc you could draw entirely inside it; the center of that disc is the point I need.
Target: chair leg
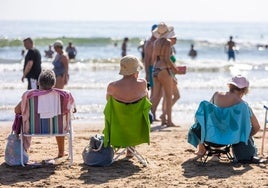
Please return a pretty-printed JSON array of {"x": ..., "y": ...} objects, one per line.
[
  {"x": 138, "y": 156},
  {"x": 118, "y": 155},
  {"x": 264, "y": 132},
  {"x": 205, "y": 158},
  {"x": 70, "y": 150},
  {"x": 21, "y": 150},
  {"x": 134, "y": 152},
  {"x": 70, "y": 143},
  {"x": 263, "y": 141}
]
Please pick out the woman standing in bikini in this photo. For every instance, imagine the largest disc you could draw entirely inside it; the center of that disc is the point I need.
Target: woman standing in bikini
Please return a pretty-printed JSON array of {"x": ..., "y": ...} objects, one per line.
[
  {"x": 61, "y": 68},
  {"x": 163, "y": 79}
]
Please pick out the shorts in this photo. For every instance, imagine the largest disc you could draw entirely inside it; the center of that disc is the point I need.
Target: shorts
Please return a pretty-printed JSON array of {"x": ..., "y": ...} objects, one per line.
[
  {"x": 32, "y": 83},
  {"x": 231, "y": 54}
]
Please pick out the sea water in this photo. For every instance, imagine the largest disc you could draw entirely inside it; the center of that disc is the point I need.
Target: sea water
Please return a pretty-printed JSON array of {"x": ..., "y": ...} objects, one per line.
[{"x": 97, "y": 62}]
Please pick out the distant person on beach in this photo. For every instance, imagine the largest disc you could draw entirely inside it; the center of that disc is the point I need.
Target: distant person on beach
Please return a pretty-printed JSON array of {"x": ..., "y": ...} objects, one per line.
[
  {"x": 148, "y": 61},
  {"x": 124, "y": 47},
  {"x": 162, "y": 75},
  {"x": 231, "y": 49},
  {"x": 61, "y": 68},
  {"x": 61, "y": 65},
  {"x": 32, "y": 64},
  {"x": 192, "y": 53},
  {"x": 71, "y": 51},
  {"x": 22, "y": 53},
  {"x": 141, "y": 49},
  {"x": 49, "y": 53}
]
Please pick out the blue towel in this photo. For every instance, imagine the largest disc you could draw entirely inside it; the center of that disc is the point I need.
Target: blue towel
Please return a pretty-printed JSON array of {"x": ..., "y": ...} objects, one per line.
[{"x": 229, "y": 125}]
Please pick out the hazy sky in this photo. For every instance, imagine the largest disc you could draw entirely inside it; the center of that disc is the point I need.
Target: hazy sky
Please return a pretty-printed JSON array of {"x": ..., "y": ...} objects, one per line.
[{"x": 135, "y": 10}]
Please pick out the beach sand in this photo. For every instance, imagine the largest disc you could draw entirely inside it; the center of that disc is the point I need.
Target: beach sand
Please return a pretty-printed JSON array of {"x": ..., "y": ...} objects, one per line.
[{"x": 170, "y": 157}]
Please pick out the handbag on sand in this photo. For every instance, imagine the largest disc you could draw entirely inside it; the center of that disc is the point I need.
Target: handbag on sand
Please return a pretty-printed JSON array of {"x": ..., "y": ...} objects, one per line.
[
  {"x": 95, "y": 154},
  {"x": 12, "y": 151}
]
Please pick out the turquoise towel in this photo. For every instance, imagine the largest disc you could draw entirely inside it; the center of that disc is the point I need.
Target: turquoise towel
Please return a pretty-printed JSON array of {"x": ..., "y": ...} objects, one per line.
[
  {"x": 126, "y": 124},
  {"x": 218, "y": 125}
]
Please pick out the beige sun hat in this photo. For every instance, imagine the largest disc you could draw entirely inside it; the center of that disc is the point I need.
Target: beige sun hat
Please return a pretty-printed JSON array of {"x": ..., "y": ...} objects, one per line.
[
  {"x": 164, "y": 31},
  {"x": 239, "y": 81},
  {"x": 130, "y": 64},
  {"x": 58, "y": 43}
]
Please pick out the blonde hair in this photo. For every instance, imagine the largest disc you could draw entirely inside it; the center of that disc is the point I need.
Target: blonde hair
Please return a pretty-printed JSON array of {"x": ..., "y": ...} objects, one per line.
[{"x": 233, "y": 88}]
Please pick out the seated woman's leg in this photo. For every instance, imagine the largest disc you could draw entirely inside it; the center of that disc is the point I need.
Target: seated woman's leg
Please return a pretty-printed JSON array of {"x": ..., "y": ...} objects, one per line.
[{"x": 60, "y": 142}]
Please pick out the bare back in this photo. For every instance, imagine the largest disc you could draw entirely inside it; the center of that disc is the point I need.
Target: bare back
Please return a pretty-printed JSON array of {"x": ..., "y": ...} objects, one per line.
[
  {"x": 230, "y": 45},
  {"x": 128, "y": 89},
  {"x": 161, "y": 53},
  {"x": 148, "y": 51},
  {"x": 225, "y": 99}
]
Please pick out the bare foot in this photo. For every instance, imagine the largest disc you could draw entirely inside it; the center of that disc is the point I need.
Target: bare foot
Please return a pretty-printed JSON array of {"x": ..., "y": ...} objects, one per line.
[
  {"x": 171, "y": 125},
  {"x": 61, "y": 155},
  {"x": 129, "y": 154},
  {"x": 200, "y": 153}
]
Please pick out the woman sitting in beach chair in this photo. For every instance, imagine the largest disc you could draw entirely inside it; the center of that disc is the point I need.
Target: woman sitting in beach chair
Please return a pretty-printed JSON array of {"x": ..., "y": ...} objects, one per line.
[
  {"x": 242, "y": 118},
  {"x": 61, "y": 100},
  {"x": 124, "y": 96}
]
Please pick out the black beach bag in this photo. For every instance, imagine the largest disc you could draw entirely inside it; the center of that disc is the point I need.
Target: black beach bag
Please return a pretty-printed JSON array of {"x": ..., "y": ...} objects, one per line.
[{"x": 95, "y": 154}]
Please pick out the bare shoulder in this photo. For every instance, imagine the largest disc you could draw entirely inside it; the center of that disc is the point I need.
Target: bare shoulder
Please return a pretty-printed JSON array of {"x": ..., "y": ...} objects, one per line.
[
  {"x": 142, "y": 81},
  {"x": 112, "y": 84},
  {"x": 220, "y": 93},
  {"x": 64, "y": 57}
]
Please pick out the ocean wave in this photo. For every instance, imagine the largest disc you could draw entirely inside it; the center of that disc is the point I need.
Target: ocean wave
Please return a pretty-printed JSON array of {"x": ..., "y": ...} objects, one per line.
[
  {"x": 103, "y": 41},
  {"x": 96, "y": 64},
  {"x": 86, "y": 41}
]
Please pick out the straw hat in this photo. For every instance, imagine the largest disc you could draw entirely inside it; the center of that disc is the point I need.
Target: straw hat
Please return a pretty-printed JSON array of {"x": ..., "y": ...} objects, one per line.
[
  {"x": 129, "y": 64},
  {"x": 164, "y": 31},
  {"x": 239, "y": 81}
]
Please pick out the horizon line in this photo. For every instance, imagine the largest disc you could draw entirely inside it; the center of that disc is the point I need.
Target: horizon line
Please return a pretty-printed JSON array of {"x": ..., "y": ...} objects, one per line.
[{"x": 102, "y": 20}]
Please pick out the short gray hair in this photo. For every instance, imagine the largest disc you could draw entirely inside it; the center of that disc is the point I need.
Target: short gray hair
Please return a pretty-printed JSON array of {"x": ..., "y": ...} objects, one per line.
[{"x": 47, "y": 79}]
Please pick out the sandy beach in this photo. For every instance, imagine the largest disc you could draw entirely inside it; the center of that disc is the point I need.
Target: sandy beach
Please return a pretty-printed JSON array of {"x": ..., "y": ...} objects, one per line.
[{"x": 171, "y": 164}]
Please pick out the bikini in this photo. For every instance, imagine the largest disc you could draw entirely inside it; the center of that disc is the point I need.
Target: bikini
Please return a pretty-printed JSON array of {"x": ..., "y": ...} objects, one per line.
[
  {"x": 129, "y": 102},
  {"x": 58, "y": 66},
  {"x": 156, "y": 70}
]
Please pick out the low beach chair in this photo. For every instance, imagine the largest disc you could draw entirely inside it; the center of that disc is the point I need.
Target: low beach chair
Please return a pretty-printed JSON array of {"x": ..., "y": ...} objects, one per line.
[
  {"x": 126, "y": 126},
  {"x": 265, "y": 128},
  {"x": 218, "y": 128},
  {"x": 58, "y": 125}
]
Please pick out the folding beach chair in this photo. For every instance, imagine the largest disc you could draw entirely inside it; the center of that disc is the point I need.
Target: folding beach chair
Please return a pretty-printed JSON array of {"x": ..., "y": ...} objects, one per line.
[
  {"x": 265, "y": 128},
  {"x": 217, "y": 150},
  {"x": 36, "y": 126},
  {"x": 218, "y": 128},
  {"x": 126, "y": 126}
]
